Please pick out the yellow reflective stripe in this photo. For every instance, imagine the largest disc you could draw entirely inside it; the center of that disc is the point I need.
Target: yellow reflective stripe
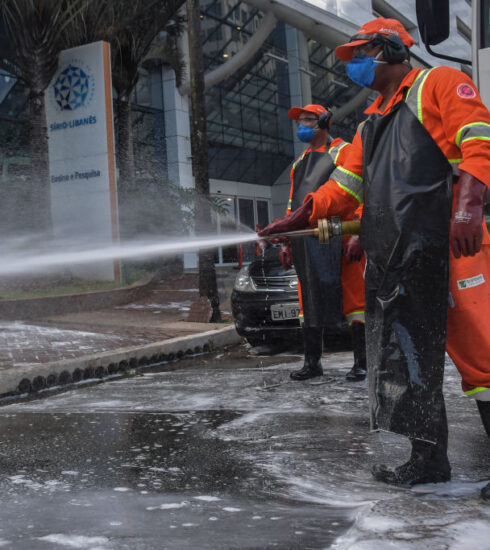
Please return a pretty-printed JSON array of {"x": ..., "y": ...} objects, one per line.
[
  {"x": 298, "y": 160},
  {"x": 349, "y": 173},
  {"x": 484, "y": 138},
  {"x": 419, "y": 98},
  {"x": 414, "y": 102},
  {"x": 483, "y": 132},
  {"x": 336, "y": 151},
  {"x": 347, "y": 190},
  {"x": 454, "y": 161},
  {"x": 475, "y": 390},
  {"x": 416, "y": 78},
  {"x": 349, "y": 182},
  {"x": 355, "y": 312},
  {"x": 355, "y": 316}
]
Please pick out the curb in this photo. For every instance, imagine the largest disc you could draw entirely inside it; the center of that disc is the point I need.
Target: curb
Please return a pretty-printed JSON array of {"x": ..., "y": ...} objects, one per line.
[{"x": 124, "y": 361}]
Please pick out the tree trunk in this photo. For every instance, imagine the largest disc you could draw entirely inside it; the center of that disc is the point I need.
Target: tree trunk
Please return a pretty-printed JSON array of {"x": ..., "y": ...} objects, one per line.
[
  {"x": 39, "y": 210},
  {"x": 199, "y": 143},
  {"x": 125, "y": 150}
]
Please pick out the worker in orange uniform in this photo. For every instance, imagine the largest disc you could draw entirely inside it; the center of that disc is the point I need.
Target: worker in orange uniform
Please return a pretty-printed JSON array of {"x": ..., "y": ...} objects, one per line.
[
  {"x": 318, "y": 265},
  {"x": 426, "y": 131}
]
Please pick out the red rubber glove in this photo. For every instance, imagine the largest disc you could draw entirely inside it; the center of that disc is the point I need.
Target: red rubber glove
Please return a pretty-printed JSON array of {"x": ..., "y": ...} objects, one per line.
[
  {"x": 465, "y": 229},
  {"x": 285, "y": 255},
  {"x": 352, "y": 249},
  {"x": 296, "y": 220}
]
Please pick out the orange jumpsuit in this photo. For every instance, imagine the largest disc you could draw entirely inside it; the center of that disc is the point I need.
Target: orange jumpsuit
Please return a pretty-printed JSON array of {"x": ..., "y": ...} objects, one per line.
[
  {"x": 447, "y": 104},
  {"x": 352, "y": 274}
]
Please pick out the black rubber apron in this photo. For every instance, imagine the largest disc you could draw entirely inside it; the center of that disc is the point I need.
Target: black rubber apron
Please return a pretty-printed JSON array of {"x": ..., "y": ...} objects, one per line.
[
  {"x": 405, "y": 233},
  {"x": 317, "y": 266}
]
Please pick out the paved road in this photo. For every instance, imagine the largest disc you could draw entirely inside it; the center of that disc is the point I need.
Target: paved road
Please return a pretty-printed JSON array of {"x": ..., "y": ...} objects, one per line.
[{"x": 225, "y": 452}]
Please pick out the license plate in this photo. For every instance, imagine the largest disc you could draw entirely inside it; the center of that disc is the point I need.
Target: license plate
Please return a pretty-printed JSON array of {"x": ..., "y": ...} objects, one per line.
[{"x": 280, "y": 312}]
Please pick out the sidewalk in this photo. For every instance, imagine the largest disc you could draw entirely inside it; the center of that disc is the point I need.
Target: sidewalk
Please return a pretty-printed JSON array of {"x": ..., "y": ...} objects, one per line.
[{"x": 54, "y": 349}]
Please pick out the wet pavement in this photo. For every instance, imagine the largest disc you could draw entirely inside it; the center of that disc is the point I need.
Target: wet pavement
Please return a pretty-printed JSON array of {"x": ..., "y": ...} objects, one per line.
[
  {"x": 158, "y": 316},
  {"x": 225, "y": 452}
]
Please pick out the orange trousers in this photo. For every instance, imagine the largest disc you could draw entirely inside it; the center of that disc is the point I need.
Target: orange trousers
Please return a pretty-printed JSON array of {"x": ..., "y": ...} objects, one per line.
[
  {"x": 352, "y": 279},
  {"x": 468, "y": 330}
]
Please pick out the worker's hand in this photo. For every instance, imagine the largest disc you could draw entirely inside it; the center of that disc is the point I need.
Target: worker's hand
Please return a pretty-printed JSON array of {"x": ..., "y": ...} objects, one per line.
[
  {"x": 352, "y": 249},
  {"x": 465, "y": 230},
  {"x": 296, "y": 220},
  {"x": 285, "y": 256}
]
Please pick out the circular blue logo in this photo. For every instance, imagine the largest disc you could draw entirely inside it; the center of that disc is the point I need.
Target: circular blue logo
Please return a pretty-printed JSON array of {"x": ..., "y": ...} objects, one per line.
[{"x": 71, "y": 88}]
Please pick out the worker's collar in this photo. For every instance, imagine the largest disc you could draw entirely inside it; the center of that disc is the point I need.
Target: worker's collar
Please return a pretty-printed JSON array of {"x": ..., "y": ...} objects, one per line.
[{"x": 398, "y": 96}]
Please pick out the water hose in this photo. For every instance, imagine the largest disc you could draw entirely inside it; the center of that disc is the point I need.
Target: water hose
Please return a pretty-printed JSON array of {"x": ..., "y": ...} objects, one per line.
[{"x": 326, "y": 230}]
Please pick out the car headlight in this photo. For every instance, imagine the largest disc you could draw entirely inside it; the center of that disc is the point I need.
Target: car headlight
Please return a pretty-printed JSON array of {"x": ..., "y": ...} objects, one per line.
[{"x": 243, "y": 281}]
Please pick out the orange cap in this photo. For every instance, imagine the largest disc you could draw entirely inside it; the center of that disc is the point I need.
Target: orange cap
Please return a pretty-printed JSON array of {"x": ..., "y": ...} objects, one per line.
[
  {"x": 294, "y": 112},
  {"x": 382, "y": 26}
]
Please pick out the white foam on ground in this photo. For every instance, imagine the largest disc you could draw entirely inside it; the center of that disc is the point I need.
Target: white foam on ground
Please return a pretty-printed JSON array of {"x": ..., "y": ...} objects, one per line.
[
  {"x": 168, "y": 506},
  {"x": 77, "y": 541}
]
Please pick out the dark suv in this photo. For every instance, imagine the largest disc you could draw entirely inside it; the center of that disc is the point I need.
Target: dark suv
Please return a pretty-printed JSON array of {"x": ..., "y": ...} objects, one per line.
[{"x": 265, "y": 302}]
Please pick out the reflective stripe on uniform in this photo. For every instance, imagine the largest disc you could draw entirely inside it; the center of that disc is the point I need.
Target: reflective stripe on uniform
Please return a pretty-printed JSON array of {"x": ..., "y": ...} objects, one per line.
[
  {"x": 355, "y": 317},
  {"x": 413, "y": 99},
  {"x": 350, "y": 182},
  {"x": 474, "y": 130},
  {"x": 474, "y": 391},
  {"x": 335, "y": 151}
]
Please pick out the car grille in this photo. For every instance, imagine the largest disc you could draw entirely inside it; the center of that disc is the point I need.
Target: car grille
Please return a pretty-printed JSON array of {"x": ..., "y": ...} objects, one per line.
[{"x": 278, "y": 284}]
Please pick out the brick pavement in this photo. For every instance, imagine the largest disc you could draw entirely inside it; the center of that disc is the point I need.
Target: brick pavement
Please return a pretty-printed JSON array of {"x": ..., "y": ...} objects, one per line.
[{"x": 160, "y": 315}]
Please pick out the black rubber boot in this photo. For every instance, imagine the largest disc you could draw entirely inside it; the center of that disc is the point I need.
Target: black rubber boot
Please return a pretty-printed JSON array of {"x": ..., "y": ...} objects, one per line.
[
  {"x": 313, "y": 343},
  {"x": 484, "y": 410},
  {"x": 485, "y": 492},
  {"x": 358, "y": 371},
  {"x": 428, "y": 464}
]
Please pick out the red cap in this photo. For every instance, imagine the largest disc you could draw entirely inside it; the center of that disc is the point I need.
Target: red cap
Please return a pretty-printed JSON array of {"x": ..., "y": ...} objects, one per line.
[
  {"x": 294, "y": 112},
  {"x": 385, "y": 27}
]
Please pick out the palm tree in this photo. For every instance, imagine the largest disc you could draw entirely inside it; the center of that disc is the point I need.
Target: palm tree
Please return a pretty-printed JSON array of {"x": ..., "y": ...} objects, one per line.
[
  {"x": 34, "y": 34},
  {"x": 207, "y": 273},
  {"x": 131, "y": 27}
]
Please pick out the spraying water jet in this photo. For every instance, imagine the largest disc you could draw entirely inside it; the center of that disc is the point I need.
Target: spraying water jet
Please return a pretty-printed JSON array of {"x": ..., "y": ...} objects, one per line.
[{"x": 16, "y": 261}]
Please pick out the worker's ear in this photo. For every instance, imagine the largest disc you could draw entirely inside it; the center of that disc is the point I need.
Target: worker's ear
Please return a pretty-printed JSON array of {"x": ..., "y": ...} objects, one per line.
[{"x": 324, "y": 119}]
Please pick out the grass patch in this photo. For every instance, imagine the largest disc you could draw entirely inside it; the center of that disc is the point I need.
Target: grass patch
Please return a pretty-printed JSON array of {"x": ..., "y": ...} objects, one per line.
[
  {"x": 73, "y": 288},
  {"x": 39, "y": 288}
]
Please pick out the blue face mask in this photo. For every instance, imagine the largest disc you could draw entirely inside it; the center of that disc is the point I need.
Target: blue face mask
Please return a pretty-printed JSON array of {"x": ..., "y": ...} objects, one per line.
[
  {"x": 362, "y": 70},
  {"x": 305, "y": 134}
]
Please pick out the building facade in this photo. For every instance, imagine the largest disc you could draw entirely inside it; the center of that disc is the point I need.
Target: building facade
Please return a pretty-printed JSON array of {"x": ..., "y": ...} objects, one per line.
[{"x": 262, "y": 56}]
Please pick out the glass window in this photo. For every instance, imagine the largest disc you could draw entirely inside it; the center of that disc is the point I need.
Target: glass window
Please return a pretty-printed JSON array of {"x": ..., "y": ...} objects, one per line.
[
  {"x": 248, "y": 139},
  {"x": 228, "y": 224},
  {"x": 247, "y": 219},
  {"x": 246, "y": 212},
  {"x": 262, "y": 213}
]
